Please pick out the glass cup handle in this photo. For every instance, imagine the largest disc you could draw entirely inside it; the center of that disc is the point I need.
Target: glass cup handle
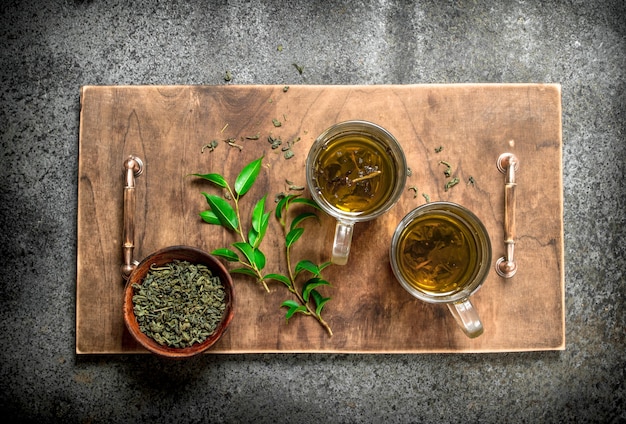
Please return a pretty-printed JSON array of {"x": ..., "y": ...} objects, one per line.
[
  {"x": 467, "y": 317},
  {"x": 341, "y": 244}
]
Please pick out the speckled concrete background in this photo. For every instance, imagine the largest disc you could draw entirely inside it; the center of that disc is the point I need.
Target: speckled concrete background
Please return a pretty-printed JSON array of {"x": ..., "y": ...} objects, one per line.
[{"x": 50, "y": 48}]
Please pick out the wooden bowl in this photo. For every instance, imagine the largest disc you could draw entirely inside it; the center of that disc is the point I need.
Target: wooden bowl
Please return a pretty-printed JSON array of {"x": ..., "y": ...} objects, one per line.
[{"x": 162, "y": 257}]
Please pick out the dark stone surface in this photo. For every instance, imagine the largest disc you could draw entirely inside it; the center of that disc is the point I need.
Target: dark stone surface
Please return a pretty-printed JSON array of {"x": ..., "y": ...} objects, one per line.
[{"x": 50, "y": 48}]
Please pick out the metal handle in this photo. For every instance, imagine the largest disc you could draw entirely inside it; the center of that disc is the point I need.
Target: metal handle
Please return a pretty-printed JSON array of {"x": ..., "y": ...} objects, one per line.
[
  {"x": 508, "y": 164},
  {"x": 133, "y": 168}
]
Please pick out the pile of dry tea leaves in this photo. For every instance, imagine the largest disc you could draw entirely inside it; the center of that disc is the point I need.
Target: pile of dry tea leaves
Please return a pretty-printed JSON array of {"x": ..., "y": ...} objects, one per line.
[{"x": 179, "y": 303}]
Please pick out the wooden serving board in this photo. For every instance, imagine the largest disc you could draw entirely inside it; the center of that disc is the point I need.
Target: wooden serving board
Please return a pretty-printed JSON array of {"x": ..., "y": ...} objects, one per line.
[{"x": 167, "y": 126}]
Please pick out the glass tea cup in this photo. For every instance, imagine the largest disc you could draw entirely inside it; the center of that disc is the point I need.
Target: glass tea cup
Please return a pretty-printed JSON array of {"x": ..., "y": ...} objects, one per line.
[
  {"x": 355, "y": 171},
  {"x": 441, "y": 253}
]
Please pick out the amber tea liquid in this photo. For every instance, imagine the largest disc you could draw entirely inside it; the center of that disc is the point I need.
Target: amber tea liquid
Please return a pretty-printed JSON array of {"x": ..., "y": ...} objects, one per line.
[
  {"x": 355, "y": 174},
  {"x": 437, "y": 254}
]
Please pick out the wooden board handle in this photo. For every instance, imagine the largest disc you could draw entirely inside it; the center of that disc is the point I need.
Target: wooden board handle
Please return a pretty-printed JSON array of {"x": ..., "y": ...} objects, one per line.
[
  {"x": 133, "y": 168},
  {"x": 508, "y": 165}
]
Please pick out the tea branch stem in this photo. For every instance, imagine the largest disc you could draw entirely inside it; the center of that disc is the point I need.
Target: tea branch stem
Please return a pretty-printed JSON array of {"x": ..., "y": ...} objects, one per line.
[
  {"x": 292, "y": 286},
  {"x": 252, "y": 266},
  {"x": 310, "y": 310},
  {"x": 246, "y": 252},
  {"x": 259, "y": 276},
  {"x": 236, "y": 201}
]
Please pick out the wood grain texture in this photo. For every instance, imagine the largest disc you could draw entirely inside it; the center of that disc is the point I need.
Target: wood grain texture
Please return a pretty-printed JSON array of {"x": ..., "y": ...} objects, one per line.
[{"x": 370, "y": 312}]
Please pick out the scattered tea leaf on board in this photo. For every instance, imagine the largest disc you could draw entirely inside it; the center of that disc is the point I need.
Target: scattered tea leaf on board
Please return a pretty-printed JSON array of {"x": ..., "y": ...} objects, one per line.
[
  {"x": 211, "y": 146},
  {"x": 232, "y": 143},
  {"x": 451, "y": 184},
  {"x": 274, "y": 141},
  {"x": 448, "y": 171}
]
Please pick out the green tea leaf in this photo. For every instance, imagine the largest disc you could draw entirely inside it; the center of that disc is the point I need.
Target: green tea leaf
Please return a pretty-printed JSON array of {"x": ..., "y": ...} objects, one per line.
[
  {"x": 319, "y": 300},
  {"x": 257, "y": 214},
  {"x": 278, "y": 277},
  {"x": 306, "y": 201},
  {"x": 209, "y": 217},
  {"x": 293, "y": 236},
  {"x": 223, "y": 211},
  {"x": 282, "y": 206},
  {"x": 298, "y": 219},
  {"x": 259, "y": 259},
  {"x": 312, "y": 284},
  {"x": 306, "y": 265},
  {"x": 253, "y": 238},
  {"x": 227, "y": 254},
  {"x": 245, "y": 271},
  {"x": 294, "y": 307},
  {"x": 290, "y": 304},
  {"x": 216, "y": 179},
  {"x": 324, "y": 265},
  {"x": 247, "y": 250},
  {"x": 247, "y": 176},
  {"x": 265, "y": 222}
]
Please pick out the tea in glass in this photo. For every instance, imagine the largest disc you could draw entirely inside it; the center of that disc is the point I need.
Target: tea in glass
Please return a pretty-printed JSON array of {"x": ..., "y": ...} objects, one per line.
[
  {"x": 437, "y": 253},
  {"x": 440, "y": 253},
  {"x": 355, "y": 173}
]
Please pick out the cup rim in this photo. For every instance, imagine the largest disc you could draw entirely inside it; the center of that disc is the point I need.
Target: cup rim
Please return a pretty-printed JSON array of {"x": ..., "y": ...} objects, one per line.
[
  {"x": 400, "y": 158},
  {"x": 476, "y": 226}
]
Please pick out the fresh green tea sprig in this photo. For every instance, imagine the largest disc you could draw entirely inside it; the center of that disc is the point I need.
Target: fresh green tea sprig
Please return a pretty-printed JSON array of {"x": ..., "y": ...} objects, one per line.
[
  {"x": 221, "y": 212},
  {"x": 308, "y": 300}
]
